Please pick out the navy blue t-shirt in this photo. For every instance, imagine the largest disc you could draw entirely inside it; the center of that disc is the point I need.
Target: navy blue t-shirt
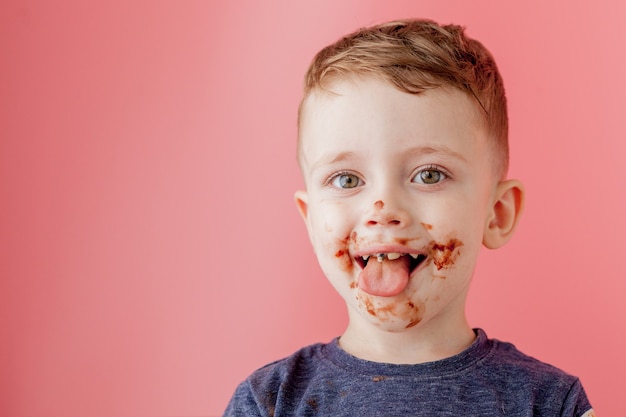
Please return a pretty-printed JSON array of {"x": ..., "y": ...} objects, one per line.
[{"x": 490, "y": 378}]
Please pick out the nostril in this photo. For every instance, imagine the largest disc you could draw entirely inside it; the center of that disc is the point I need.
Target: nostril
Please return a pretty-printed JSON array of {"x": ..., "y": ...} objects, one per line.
[
  {"x": 392, "y": 222},
  {"x": 384, "y": 214}
]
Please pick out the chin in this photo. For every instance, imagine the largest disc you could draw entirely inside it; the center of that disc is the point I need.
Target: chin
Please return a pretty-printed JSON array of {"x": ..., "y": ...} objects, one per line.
[
  {"x": 393, "y": 314},
  {"x": 398, "y": 326}
]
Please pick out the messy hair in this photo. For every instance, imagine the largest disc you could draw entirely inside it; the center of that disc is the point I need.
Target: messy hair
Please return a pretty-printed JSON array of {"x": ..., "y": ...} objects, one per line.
[{"x": 415, "y": 56}]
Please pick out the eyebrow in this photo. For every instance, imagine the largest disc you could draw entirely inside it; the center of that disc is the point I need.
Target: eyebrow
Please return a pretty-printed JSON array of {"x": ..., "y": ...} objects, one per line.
[
  {"x": 435, "y": 149},
  {"x": 328, "y": 159}
]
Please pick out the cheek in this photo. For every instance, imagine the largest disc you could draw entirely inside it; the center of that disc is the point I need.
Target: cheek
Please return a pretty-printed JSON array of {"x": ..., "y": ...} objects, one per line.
[
  {"x": 444, "y": 254},
  {"x": 332, "y": 238},
  {"x": 455, "y": 230},
  {"x": 327, "y": 219},
  {"x": 342, "y": 257}
]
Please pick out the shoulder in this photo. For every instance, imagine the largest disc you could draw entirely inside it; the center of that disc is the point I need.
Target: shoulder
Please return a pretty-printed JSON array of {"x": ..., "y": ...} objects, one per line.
[
  {"x": 258, "y": 394},
  {"x": 545, "y": 383},
  {"x": 302, "y": 362},
  {"x": 505, "y": 357}
]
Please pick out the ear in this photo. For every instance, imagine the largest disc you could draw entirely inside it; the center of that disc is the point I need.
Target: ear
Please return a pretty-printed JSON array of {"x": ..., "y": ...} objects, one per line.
[
  {"x": 505, "y": 211},
  {"x": 302, "y": 202}
]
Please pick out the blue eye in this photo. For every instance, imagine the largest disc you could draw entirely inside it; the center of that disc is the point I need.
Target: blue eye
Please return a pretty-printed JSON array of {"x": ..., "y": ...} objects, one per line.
[
  {"x": 429, "y": 176},
  {"x": 345, "y": 181}
]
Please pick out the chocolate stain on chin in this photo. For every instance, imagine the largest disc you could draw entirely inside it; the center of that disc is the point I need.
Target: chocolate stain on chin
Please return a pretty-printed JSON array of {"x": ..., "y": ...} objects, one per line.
[
  {"x": 413, "y": 323},
  {"x": 444, "y": 254},
  {"x": 369, "y": 306},
  {"x": 406, "y": 311},
  {"x": 415, "y": 320}
]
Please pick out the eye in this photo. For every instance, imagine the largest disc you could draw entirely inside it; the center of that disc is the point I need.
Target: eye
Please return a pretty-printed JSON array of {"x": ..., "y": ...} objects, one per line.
[
  {"x": 429, "y": 176},
  {"x": 345, "y": 180}
]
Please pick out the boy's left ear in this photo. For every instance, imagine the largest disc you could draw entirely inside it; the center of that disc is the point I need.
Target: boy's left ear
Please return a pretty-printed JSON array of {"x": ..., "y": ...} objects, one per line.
[{"x": 505, "y": 211}]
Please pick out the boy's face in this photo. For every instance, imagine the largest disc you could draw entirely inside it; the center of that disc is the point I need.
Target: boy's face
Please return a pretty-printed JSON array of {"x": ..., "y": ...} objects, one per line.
[{"x": 399, "y": 191}]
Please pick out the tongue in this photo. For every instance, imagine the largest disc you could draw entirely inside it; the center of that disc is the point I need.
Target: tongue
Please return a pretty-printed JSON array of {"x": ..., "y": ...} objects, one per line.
[{"x": 386, "y": 278}]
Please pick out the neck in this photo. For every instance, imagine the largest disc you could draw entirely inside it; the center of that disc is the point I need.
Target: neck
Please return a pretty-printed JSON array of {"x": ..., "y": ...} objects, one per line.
[{"x": 435, "y": 341}]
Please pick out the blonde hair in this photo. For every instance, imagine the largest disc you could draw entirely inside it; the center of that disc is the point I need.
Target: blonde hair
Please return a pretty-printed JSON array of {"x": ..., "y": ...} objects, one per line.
[{"x": 415, "y": 56}]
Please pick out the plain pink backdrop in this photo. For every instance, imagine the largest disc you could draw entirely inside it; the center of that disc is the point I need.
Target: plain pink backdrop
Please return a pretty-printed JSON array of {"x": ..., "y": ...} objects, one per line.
[{"x": 151, "y": 256}]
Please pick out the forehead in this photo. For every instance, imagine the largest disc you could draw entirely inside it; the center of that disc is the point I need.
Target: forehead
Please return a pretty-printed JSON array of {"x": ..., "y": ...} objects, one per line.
[{"x": 358, "y": 112}]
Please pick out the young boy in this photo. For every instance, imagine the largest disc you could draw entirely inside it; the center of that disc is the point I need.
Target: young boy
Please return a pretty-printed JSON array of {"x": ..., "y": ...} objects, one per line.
[{"x": 403, "y": 148}]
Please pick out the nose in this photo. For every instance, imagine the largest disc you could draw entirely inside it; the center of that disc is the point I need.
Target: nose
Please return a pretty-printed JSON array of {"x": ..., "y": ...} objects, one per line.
[{"x": 387, "y": 212}]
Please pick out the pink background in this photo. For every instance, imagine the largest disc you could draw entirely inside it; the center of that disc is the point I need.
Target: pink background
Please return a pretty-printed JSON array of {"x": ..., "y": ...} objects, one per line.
[{"x": 151, "y": 255}]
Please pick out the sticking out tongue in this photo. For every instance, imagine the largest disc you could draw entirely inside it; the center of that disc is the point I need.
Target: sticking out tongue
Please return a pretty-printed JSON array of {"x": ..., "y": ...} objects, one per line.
[{"x": 386, "y": 278}]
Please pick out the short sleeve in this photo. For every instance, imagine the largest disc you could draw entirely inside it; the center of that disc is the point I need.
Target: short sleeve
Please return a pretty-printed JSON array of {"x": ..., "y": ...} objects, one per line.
[
  {"x": 243, "y": 403},
  {"x": 576, "y": 403}
]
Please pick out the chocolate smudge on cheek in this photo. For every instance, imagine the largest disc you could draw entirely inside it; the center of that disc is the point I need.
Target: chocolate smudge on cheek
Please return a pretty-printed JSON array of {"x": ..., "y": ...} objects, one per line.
[
  {"x": 427, "y": 226},
  {"x": 444, "y": 254},
  {"x": 345, "y": 261},
  {"x": 343, "y": 253}
]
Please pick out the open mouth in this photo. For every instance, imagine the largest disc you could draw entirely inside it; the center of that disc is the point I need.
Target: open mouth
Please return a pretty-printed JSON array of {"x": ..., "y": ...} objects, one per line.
[{"x": 414, "y": 259}]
